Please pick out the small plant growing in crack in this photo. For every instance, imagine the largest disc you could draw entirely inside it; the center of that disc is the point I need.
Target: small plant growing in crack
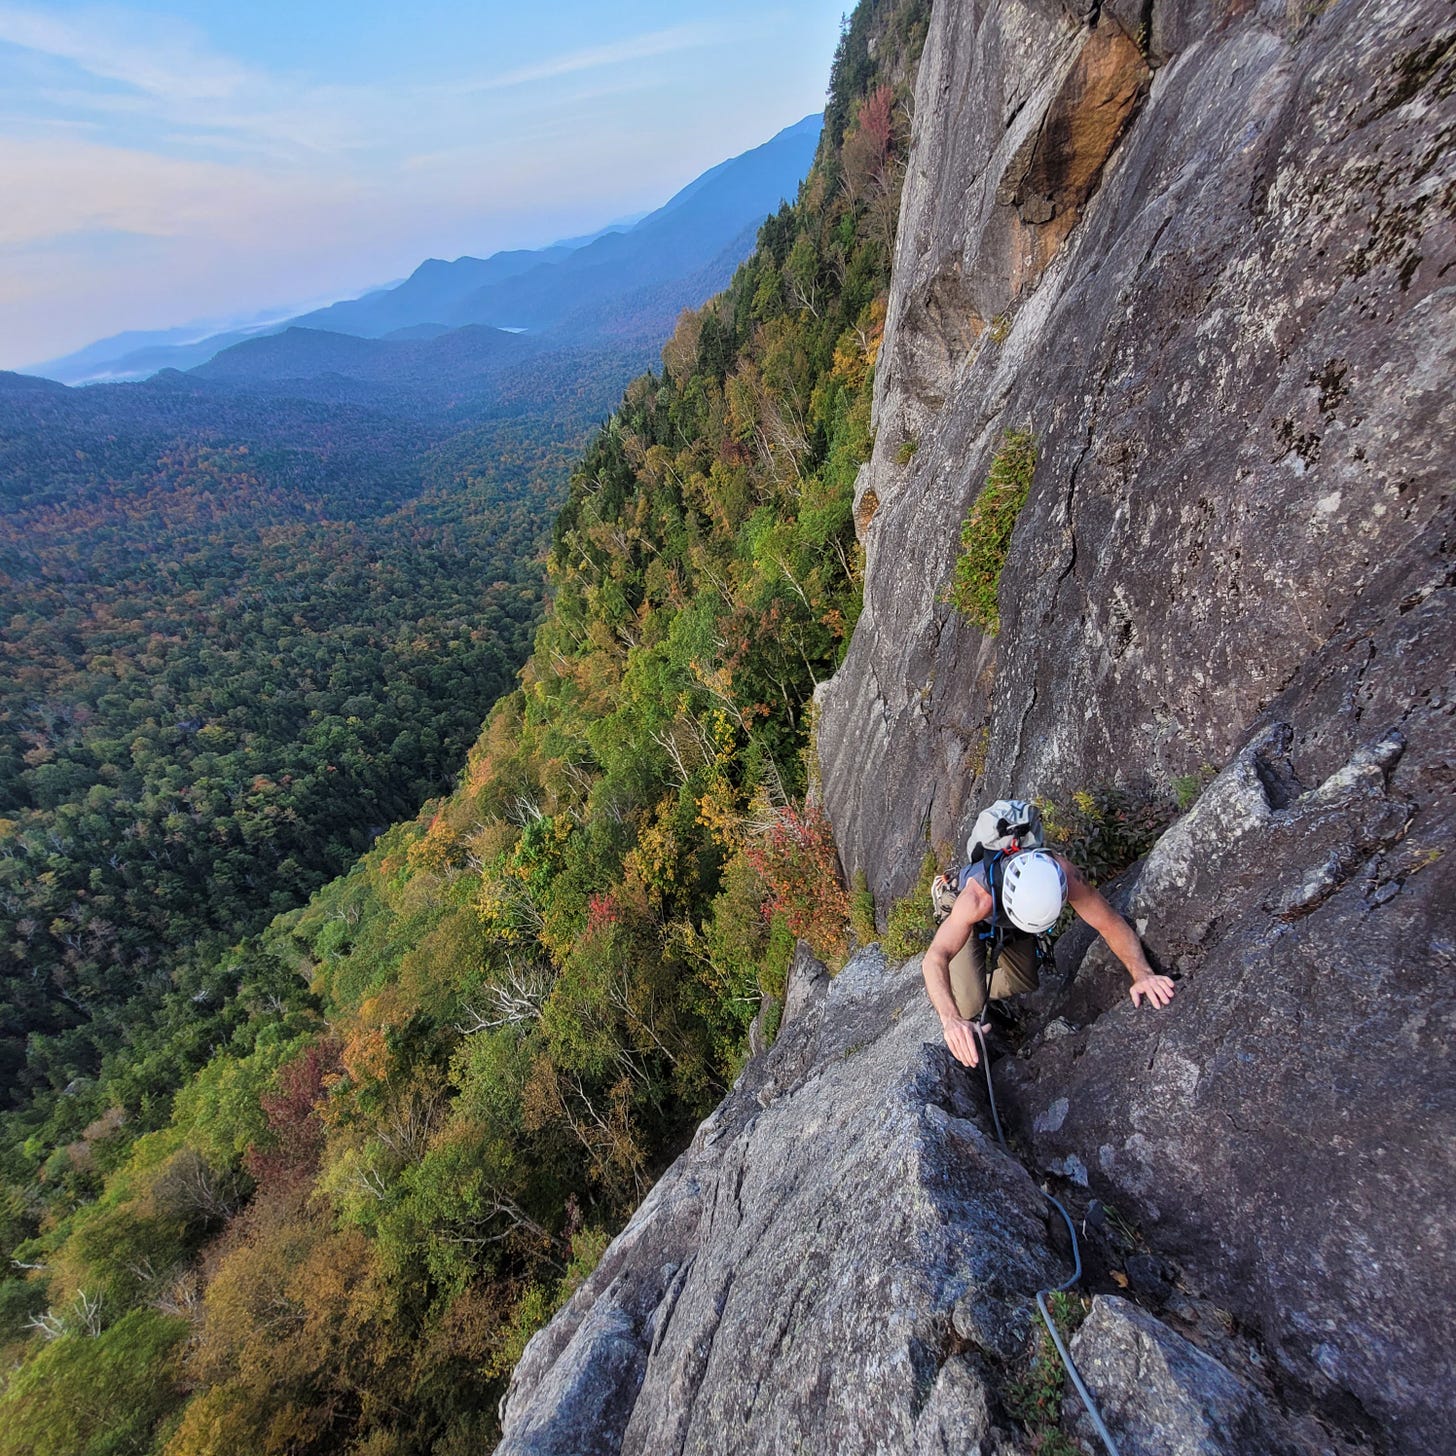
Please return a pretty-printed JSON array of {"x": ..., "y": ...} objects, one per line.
[
  {"x": 1187, "y": 787},
  {"x": 1035, "y": 1397},
  {"x": 986, "y": 534}
]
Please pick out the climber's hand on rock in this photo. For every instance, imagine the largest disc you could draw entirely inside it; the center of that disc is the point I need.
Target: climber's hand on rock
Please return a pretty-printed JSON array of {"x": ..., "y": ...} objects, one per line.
[
  {"x": 961, "y": 1040},
  {"x": 1158, "y": 990}
]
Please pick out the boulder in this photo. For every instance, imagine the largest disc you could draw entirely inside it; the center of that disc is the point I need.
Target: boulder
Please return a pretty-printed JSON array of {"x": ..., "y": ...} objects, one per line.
[
  {"x": 833, "y": 1266},
  {"x": 1160, "y": 1395},
  {"x": 1286, "y": 1129}
]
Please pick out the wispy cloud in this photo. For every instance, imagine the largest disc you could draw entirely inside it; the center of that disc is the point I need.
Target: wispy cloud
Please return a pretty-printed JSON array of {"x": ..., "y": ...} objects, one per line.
[
  {"x": 637, "y": 48},
  {"x": 132, "y": 50},
  {"x": 165, "y": 75},
  {"x": 65, "y": 186},
  {"x": 147, "y": 173}
]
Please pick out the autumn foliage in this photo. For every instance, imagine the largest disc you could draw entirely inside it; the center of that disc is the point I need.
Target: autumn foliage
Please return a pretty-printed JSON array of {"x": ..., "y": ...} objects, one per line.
[
  {"x": 359, "y": 1157},
  {"x": 800, "y": 868}
]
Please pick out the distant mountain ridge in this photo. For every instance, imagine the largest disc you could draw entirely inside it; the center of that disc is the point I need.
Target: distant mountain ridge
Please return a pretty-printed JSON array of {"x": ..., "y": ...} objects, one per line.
[{"x": 623, "y": 281}]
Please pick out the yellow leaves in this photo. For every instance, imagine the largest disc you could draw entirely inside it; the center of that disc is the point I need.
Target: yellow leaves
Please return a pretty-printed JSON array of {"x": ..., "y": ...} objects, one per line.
[
  {"x": 437, "y": 851},
  {"x": 873, "y": 327},
  {"x": 720, "y": 813},
  {"x": 656, "y": 857},
  {"x": 680, "y": 353},
  {"x": 506, "y": 906},
  {"x": 291, "y": 1321},
  {"x": 859, "y": 347},
  {"x": 849, "y": 361},
  {"x": 720, "y": 805},
  {"x": 217, "y": 1421}
]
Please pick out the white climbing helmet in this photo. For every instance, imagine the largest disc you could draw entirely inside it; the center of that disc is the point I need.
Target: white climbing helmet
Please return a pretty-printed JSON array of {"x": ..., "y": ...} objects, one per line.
[{"x": 1033, "y": 890}]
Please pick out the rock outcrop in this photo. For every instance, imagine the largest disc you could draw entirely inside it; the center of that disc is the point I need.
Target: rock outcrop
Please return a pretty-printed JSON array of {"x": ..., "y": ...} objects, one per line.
[
  {"x": 1215, "y": 285},
  {"x": 1236, "y": 361},
  {"x": 843, "y": 1261},
  {"x": 1286, "y": 1130}
]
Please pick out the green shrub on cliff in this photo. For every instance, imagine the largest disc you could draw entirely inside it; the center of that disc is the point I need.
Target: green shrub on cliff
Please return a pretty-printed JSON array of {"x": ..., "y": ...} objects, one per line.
[{"x": 986, "y": 534}]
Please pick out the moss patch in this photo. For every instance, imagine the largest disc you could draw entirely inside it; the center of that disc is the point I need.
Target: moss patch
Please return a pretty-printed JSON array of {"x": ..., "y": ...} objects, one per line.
[
  {"x": 986, "y": 534},
  {"x": 907, "y": 927}
]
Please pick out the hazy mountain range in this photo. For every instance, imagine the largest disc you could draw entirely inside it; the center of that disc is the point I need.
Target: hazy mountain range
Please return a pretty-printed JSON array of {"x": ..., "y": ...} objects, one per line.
[{"x": 624, "y": 284}]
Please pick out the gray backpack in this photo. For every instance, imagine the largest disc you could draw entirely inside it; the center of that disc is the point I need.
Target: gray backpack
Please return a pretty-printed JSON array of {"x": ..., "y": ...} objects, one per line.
[{"x": 1006, "y": 827}]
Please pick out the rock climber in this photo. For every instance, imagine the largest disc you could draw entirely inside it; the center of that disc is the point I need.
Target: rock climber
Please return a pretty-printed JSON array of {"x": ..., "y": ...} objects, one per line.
[{"x": 1008, "y": 899}]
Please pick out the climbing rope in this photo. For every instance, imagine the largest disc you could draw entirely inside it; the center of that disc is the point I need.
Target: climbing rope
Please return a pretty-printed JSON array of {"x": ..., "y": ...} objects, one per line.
[{"x": 1041, "y": 1294}]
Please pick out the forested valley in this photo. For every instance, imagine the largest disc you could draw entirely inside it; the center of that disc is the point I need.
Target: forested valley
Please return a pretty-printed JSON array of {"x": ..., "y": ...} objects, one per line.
[
  {"x": 243, "y": 635},
  {"x": 302, "y": 1178}
]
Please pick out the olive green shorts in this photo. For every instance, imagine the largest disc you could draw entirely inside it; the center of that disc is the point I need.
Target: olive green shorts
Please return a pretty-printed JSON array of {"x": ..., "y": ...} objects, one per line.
[{"x": 1013, "y": 973}]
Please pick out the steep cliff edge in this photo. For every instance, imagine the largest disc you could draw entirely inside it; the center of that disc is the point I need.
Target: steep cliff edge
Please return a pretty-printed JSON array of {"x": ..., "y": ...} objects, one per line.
[
  {"x": 843, "y": 1262},
  {"x": 1218, "y": 294},
  {"x": 1202, "y": 252},
  {"x": 1217, "y": 290}
]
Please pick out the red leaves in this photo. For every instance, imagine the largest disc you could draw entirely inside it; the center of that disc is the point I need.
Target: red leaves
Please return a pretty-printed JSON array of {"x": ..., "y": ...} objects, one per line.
[
  {"x": 293, "y": 1119},
  {"x": 868, "y": 148},
  {"x": 799, "y": 864}
]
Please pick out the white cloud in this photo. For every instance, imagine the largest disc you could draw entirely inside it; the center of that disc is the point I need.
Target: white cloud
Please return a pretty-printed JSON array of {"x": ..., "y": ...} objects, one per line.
[
  {"x": 637, "y": 48},
  {"x": 133, "y": 50}
]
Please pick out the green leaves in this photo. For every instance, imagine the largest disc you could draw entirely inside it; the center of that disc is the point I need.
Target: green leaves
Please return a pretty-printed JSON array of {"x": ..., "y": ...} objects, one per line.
[
  {"x": 986, "y": 534},
  {"x": 101, "y": 1395}
]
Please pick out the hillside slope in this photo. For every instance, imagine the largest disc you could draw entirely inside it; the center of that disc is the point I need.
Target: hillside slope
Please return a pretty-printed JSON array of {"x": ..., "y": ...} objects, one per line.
[{"x": 320, "y": 1200}]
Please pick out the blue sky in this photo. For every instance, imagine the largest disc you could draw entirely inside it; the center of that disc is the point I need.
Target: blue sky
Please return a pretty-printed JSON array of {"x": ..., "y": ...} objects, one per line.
[{"x": 185, "y": 160}]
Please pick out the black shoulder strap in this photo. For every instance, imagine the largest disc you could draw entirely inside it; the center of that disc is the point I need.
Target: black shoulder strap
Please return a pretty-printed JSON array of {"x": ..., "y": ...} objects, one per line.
[{"x": 993, "y": 929}]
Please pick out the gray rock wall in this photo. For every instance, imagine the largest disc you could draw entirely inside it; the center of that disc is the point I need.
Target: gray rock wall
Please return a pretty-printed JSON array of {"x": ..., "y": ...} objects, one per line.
[
  {"x": 1236, "y": 359},
  {"x": 1286, "y": 1131},
  {"x": 1217, "y": 289},
  {"x": 844, "y": 1261}
]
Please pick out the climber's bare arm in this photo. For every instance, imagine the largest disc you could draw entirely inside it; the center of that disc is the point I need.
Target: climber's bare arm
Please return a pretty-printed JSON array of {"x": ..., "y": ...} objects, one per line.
[
  {"x": 971, "y": 905},
  {"x": 1121, "y": 938}
]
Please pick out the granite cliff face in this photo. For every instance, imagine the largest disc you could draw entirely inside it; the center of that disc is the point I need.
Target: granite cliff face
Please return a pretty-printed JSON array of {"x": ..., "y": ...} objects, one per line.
[
  {"x": 1215, "y": 285},
  {"x": 1217, "y": 288},
  {"x": 1203, "y": 251}
]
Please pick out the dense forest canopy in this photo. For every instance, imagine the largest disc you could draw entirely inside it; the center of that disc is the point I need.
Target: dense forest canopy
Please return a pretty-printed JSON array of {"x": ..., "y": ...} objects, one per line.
[
  {"x": 319, "y": 1201},
  {"x": 244, "y": 632}
]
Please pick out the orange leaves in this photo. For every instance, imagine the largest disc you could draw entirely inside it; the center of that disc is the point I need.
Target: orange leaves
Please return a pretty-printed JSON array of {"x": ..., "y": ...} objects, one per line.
[
  {"x": 437, "y": 850},
  {"x": 796, "y": 857},
  {"x": 365, "y": 1053},
  {"x": 289, "y": 1337}
]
